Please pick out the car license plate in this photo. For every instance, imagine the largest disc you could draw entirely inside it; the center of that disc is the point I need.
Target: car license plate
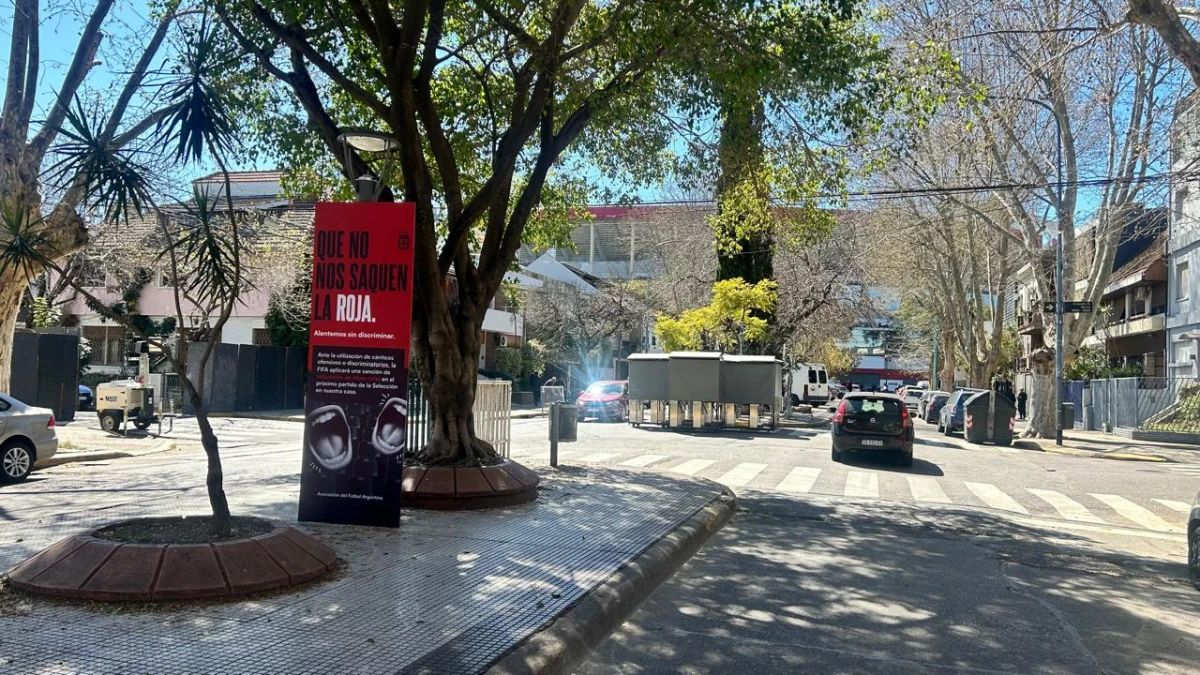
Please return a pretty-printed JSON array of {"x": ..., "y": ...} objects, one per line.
[{"x": 872, "y": 442}]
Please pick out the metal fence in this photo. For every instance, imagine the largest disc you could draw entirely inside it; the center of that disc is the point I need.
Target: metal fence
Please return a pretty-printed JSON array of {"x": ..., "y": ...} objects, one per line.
[
  {"x": 493, "y": 415},
  {"x": 418, "y": 417},
  {"x": 1149, "y": 403}
]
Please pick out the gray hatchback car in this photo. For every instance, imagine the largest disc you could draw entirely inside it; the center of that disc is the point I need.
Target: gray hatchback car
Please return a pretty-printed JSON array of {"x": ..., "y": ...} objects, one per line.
[{"x": 26, "y": 438}]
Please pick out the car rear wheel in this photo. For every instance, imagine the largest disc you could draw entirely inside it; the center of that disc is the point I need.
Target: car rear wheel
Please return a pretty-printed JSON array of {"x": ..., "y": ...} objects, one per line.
[
  {"x": 836, "y": 456},
  {"x": 110, "y": 422},
  {"x": 1194, "y": 558},
  {"x": 906, "y": 459},
  {"x": 16, "y": 461},
  {"x": 142, "y": 425}
]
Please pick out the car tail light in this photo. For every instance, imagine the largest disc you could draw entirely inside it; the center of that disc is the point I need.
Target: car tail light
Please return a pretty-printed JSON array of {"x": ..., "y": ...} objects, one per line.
[
  {"x": 839, "y": 417},
  {"x": 50, "y": 424},
  {"x": 905, "y": 419}
]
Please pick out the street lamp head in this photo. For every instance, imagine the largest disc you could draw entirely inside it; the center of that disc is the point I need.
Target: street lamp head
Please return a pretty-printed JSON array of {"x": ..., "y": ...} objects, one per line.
[{"x": 368, "y": 141}]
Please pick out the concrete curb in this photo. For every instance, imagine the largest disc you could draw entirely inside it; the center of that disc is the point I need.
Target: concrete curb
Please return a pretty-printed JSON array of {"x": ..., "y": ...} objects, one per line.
[
  {"x": 99, "y": 455},
  {"x": 253, "y": 416},
  {"x": 568, "y": 640},
  {"x": 1073, "y": 452},
  {"x": 92, "y": 456}
]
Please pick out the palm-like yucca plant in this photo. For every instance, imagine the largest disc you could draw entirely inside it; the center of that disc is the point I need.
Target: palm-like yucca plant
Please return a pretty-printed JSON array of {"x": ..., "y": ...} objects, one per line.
[{"x": 201, "y": 249}]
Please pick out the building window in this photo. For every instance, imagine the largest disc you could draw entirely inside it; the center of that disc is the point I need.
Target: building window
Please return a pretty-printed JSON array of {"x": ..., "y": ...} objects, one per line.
[
  {"x": 503, "y": 340},
  {"x": 260, "y": 337},
  {"x": 164, "y": 279},
  {"x": 1183, "y": 351},
  {"x": 1183, "y": 280}
]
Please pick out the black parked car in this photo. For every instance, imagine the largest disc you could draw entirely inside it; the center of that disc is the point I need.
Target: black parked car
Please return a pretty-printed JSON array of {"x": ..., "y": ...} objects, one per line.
[
  {"x": 933, "y": 407},
  {"x": 1193, "y": 530},
  {"x": 872, "y": 421}
]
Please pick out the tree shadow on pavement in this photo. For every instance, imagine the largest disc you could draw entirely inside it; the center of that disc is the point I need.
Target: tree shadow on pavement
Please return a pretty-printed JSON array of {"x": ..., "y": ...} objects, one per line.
[{"x": 816, "y": 586}]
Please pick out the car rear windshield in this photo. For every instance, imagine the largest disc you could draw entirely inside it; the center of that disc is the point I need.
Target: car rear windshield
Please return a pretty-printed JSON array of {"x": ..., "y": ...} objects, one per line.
[
  {"x": 941, "y": 398},
  {"x": 878, "y": 406},
  {"x": 604, "y": 389}
]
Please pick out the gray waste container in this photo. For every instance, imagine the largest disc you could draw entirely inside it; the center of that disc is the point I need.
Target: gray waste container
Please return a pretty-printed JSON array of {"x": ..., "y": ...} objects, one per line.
[
  {"x": 648, "y": 377},
  {"x": 751, "y": 379},
  {"x": 568, "y": 422},
  {"x": 694, "y": 376},
  {"x": 1068, "y": 415},
  {"x": 977, "y": 410}
]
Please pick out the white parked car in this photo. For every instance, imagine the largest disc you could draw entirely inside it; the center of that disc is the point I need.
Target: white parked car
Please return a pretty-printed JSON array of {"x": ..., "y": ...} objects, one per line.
[{"x": 26, "y": 438}]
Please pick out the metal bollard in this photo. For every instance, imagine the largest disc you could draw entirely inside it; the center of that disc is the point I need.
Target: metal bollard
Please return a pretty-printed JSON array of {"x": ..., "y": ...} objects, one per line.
[{"x": 554, "y": 433}]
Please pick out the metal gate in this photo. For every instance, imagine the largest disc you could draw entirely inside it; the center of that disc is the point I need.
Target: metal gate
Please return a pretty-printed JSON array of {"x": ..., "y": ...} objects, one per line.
[{"x": 493, "y": 413}]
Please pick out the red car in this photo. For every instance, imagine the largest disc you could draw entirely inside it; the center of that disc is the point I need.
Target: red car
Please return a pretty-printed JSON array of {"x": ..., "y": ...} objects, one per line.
[{"x": 604, "y": 400}]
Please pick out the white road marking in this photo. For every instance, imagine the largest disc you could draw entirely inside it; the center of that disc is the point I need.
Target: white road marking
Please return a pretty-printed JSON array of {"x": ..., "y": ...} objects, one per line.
[
  {"x": 1009, "y": 451},
  {"x": 1135, "y": 513},
  {"x": 861, "y": 484},
  {"x": 694, "y": 466},
  {"x": 926, "y": 489},
  {"x": 598, "y": 457},
  {"x": 643, "y": 460},
  {"x": 1067, "y": 508},
  {"x": 741, "y": 474},
  {"x": 799, "y": 479},
  {"x": 1182, "y": 507},
  {"x": 995, "y": 497}
]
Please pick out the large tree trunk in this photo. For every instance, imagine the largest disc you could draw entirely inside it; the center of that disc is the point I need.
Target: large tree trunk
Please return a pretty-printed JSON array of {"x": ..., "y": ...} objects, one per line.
[
  {"x": 740, "y": 154},
  {"x": 11, "y": 289},
  {"x": 446, "y": 361},
  {"x": 949, "y": 361},
  {"x": 1042, "y": 418}
]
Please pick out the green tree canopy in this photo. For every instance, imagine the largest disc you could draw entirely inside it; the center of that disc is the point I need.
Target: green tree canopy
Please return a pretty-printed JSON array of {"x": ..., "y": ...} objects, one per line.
[{"x": 729, "y": 322}]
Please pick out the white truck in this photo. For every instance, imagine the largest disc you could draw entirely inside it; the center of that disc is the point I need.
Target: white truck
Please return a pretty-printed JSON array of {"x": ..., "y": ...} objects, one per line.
[{"x": 809, "y": 383}]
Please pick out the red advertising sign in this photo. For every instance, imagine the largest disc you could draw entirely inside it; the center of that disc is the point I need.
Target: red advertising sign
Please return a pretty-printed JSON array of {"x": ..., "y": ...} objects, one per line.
[{"x": 356, "y": 408}]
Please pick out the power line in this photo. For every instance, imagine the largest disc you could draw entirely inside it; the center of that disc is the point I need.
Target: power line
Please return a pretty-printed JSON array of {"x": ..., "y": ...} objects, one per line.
[{"x": 935, "y": 190}]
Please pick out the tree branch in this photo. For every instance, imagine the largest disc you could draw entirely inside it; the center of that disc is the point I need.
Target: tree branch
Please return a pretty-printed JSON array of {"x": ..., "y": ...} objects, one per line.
[{"x": 81, "y": 64}]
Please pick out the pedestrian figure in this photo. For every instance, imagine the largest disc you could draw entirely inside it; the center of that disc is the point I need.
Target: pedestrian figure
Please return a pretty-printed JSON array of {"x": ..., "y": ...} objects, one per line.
[
  {"x": 1021, "y": 400},
  {"x": 535, "y": 385}
]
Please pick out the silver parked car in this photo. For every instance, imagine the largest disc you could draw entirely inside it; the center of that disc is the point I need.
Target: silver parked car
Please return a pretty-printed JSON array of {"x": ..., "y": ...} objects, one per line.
[{"x": 26, "y": 438}]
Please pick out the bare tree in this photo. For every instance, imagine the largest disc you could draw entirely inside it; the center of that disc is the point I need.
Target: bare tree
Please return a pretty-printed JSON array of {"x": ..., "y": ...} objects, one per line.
[
  {"x": 28, "y": 165},
  {"x": 1112, "y": 94},
  {"x": 583, "y": 327}
]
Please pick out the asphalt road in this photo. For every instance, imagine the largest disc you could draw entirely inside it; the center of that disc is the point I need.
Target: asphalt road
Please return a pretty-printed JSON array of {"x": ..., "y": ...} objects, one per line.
[{"x": 975, "y": 560}]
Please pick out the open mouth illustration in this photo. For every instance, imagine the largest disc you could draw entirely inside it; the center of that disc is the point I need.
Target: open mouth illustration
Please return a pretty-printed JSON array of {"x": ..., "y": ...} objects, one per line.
[
  {"x": 329, "y": 437},
  {"x": 389, "y": 427}
]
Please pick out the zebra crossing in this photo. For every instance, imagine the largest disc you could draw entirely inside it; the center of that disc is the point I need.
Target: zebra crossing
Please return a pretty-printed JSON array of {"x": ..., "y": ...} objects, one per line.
[{"x": 1158, "y": 515}]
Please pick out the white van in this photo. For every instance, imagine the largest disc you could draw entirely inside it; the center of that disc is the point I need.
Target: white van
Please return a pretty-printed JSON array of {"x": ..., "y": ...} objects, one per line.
[{"x": 810, "y": 383}]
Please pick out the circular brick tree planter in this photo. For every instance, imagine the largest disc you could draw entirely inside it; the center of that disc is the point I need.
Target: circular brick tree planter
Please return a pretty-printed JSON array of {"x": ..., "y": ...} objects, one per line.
[
  {"x": 464, "y": 488},
  {"x": 90, "y": 568}
]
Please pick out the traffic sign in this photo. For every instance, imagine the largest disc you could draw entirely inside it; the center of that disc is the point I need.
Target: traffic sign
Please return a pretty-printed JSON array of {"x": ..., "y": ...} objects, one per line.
[{"x": 1069, "y": 307}]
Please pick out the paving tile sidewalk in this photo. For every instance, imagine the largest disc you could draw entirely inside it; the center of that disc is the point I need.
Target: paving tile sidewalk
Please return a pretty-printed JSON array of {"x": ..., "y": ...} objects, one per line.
[
  {"x": 445, "y": 593},
  {"x": 1110, "y": 446}
]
